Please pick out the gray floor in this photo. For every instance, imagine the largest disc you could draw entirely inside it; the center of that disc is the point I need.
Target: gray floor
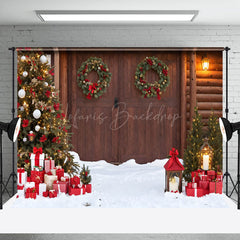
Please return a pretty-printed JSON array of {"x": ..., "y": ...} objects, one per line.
[{"x": 120, "y": 236}]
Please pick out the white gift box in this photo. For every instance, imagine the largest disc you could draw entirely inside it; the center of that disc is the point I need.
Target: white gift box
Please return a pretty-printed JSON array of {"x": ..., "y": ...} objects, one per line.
[
  {"x": 41, "y": 160},
  {"x": 42, "y": 188},
  {"x": 22, "y": 178},
  {"x": 29, "y": 185},
  {"x": 49, "y": 179}
]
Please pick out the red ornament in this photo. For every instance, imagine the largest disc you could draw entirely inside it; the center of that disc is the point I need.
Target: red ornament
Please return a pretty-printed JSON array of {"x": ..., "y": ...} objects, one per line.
[
  {"x": 165, "y": 72},
  {"x": 55, "y": 139},
  {"x": 56, "y": 106},
  {"x": 26, "y": 161},
  {"x": 25, "y": 123},
  {"x": 19, "y": 80},
  {"x": 43, "y": 138},
  {"x": 48, "y": 93},
  {"x": 40, "y": 78},
  {"x": 58, "y": 116}
]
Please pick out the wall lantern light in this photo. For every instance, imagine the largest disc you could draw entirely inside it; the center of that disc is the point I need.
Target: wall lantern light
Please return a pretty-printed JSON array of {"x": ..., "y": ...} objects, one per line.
[{"x": 205, "y": 63}]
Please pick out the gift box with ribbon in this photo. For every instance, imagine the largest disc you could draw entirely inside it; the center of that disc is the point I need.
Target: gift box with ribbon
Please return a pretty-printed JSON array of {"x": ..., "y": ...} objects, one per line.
[
  {"x": 194, "y": 192},
  {"x": 37, "y": 158},
  {"x": 64, "y": 179},
  {"x": 29, "y": 185},
  {"x": 48, "y": 165},
  {"x": 88, "y": 188},
  {"x": 37, "y": 176},
  {"x": 31, "y": 193},
  {"x": 52, "y": 194},
  {"x": 215, "y": 187},
  {"x": 45, "y": 194},
  {"x": 75, "y": 190},
  {"x": 211, "y": 174},
  {"x": 59, "y": 172},
  {"x": 22, "y": 176},
  {"x": 40, "y": 188},
  {"x": 60, "y": 186},
  {"x": 74, "y": 181},
  {"x": 49, "y": 179}
]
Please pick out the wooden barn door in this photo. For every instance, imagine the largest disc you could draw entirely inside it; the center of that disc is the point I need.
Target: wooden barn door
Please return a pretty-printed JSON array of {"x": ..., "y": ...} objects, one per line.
[{"x": 139, "y": 128}]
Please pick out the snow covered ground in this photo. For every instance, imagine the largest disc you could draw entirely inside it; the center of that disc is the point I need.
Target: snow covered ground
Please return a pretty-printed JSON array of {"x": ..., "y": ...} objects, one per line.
[{"x": 129, "y": 185}]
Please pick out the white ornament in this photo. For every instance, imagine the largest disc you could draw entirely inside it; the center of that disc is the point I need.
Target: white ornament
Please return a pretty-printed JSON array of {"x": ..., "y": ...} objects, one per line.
[
  {"x": 43, "y": 59},
  {"x": 25, "y": 73},
  {"x": 46, "y": 84},
  {"x": 21, "y": 93},
  {"x": 21, "y": 108},
  {"x": 37, "y": 128},
  {"x": 37, "y": 114},
  {"x": 23, "y": 58},
  {"x": 24, "y": 139}
]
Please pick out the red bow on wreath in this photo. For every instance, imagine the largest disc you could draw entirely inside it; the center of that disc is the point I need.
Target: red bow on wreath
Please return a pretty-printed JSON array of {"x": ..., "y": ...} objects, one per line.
[{"x": 91, "y": 88}]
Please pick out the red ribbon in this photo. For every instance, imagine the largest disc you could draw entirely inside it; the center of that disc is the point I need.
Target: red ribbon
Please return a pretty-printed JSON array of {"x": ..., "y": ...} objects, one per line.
[
  {"x": 20, "y": 171},
  {"x": 91, "y": 88},
  {"x": 158, "y": 94},
  {"x": 37, "y": 152},
  {"x": 173, "y": 152}
]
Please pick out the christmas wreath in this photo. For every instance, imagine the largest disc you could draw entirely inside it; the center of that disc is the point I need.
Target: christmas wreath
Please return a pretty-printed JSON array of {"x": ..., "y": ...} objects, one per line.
[
  {"x": 93, "y": 90},
  {"x": 152, "y": 89}
]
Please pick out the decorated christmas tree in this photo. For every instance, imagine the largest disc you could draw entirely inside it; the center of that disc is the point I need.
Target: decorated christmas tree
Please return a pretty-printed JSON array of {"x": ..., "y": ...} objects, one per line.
[
  {"x": 194, "y": 142},
  {"x": 85, "y": 176},
  {"x": 215, "y": 141},
  {"x": 44, "y": 125}
]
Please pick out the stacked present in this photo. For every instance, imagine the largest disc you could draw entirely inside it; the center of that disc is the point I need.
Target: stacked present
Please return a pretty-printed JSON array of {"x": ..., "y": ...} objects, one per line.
[
  {"x": 204, "y": 182},
  {"x": 46, "y": 179}
]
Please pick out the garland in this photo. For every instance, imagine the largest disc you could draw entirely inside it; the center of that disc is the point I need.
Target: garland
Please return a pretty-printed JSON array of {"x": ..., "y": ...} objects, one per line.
[
  {"x": 90, "y": 89},
  {"x": 152, "y": 89}
]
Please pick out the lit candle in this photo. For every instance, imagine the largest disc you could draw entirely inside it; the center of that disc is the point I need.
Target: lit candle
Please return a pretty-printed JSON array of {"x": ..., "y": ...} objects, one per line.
[
  {"x": 173, "y": 185},
  {"x": 205, "y": 162}
]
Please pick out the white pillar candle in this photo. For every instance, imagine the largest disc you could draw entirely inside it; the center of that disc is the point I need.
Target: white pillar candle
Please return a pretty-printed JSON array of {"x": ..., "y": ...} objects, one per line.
[
  {"x": 205, "y": 162},
  {"x": 173, "y": 186}
]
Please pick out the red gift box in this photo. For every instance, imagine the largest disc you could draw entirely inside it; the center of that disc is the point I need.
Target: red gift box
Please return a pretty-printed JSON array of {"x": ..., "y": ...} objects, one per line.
[
  {"x": 31, "y": 195},
  {"x": 52, "y": 194},
  {"x": 28, "y": 179},
  {"x": 215, "y": 187},
  {"x": 48, "y": 165},
  {"x": 195, "y": 176},
  {"x": 37, "y": 176},
  {"x": 204, "y": 184},
  {"x": 62, "y": 186},
  {"x": 194, "y": 185},
  {"x": 20, "y": 187},
  {"x": 60, "y": 173},
  {"x": 211, "y": 174},
  {"x": 204, "y": 178},
  {"x": 88, "y": 188},
  {"x": 198, "y": 192},
  {"x": 45, "y": 194},
  {"x": 189, "y": 185},
  {"x": 75, "y": 181},
  {"x": 74, "y": 191}
]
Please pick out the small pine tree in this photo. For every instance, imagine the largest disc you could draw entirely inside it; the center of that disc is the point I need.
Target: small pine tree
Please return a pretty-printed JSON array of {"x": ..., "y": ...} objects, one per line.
[
  {"x": 194, "y": 142},
  {"x": 215, "y": 141},
  {"x": 85, "y": 176}
]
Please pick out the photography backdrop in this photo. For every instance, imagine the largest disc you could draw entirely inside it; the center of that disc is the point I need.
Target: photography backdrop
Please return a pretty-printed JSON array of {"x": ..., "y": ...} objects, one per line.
[{"x": 120, "y": 36}]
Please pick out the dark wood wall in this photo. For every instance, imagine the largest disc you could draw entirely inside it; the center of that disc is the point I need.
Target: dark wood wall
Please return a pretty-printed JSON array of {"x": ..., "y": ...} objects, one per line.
[{"x": 138, "y": 139}]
